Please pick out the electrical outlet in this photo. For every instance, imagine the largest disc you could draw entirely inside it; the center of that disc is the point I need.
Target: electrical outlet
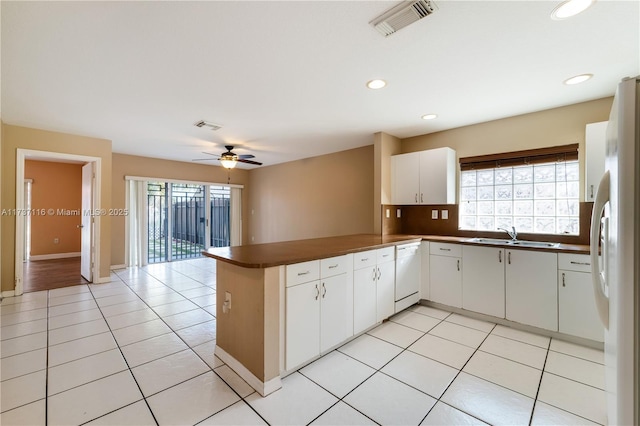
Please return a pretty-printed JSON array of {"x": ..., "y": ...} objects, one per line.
[
  {"x": 434, "y": 214},
  {"x": 398, "y": 213},
  {"x": 388, "y": 213},
  {"x": 226, "y": 306},
  {"x": 56, "y": 240},
  {"x": 445, "y": 214}
]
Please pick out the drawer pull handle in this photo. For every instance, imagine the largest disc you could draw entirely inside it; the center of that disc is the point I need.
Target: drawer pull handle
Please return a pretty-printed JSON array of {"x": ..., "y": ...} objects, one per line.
[
  {"x": 303, "y": 273},
  {"x": 385, "y": 255},
  {"x": 364, "y": 259},
  {"x": 581, "y": 263},
  {"x": 444, "y": 249},
  {"x": 333, "y": 266},
  {"x": 563, "y": 283}
]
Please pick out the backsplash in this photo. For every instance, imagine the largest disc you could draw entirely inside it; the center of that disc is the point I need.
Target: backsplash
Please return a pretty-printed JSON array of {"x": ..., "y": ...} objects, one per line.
[{"x": 416, "y": 220}]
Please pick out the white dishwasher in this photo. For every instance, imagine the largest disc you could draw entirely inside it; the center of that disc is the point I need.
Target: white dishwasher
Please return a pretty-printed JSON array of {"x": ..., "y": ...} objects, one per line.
[{"x": 407, "y": 275}]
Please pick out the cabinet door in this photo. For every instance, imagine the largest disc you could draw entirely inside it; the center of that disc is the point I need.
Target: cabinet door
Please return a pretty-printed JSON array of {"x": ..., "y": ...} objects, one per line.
[
  {"x": 577, "y": 307},
  {"x": 483, "y": 280},
  {"x": 364, "y": 298},
  {"x": 437, "y": 176},
  {"x": 532, "y": 288},
  {"x": 405, "y": 173},
  {"x": 595, "y": 143},
  {"x": 302, "y": 323},
  {"x": 385, "y": 290},
  {"x": 446, "y": 280},
  {"x": 333, "y": 311}
]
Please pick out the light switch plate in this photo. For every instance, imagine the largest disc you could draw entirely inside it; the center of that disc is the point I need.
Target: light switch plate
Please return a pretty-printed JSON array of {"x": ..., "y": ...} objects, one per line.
[
  {"x": 445, "y": 214},
  {"x": 434, "y": 214}
]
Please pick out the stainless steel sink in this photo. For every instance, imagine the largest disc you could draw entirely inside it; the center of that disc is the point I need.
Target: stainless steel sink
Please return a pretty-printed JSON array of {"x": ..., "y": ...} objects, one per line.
[{"x": 516, "y": 243}]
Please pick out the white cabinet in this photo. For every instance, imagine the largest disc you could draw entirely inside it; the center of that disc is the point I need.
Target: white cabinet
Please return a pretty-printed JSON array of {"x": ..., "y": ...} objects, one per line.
[
  {"x": 425, "y": 286},
  {"x": 577, "y": 312},
  {"x": 373, "y": 287},
  {"x": 483, "y": 284},
  {"x": 532, "y": 288},
  {"x": 595, "y": 148},
  {"x": 445, "y": 273},
  {"x": 424, "y": 177},
  {"x": 316, "y": 308}
]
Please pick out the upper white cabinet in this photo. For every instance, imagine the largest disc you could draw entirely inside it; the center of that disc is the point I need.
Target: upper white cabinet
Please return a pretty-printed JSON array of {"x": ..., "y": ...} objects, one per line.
[
  {"x": 595, "y": 144},
  {"x": 483, "y": 280},
  {"x": 424, "y": 177},
  {"x": 532, "y": 288}
]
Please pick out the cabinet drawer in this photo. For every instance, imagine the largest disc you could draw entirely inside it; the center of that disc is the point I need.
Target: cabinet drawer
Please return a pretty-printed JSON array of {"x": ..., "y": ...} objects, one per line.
[
  {"x": 364, "y": 259},
  {"x": 333, "y": 266},
  {"x": 445, "y": 249},
  {"x": 299, "y": 273},
  {"x": 385, "y": 254},
  {"x": 574, "y": 262}
]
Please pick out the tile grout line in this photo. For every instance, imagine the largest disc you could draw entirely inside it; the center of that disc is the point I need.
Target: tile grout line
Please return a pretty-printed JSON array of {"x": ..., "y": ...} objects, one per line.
[
  {"x": 46, "y": 380},
  {"x": 535, "y": 400}
]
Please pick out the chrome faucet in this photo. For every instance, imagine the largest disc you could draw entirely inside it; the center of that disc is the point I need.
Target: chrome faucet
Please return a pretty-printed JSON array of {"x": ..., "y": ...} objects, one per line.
[{"x": 513, "y": 234}]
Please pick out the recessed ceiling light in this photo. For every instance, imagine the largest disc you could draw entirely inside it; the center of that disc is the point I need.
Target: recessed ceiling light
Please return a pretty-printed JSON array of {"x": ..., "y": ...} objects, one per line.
[
  {"x": 429, "y": 116},
  {"x": 376, "y": 84},
  {"x": 578, "y": 79},
  {"x": 570, "y": 8}
]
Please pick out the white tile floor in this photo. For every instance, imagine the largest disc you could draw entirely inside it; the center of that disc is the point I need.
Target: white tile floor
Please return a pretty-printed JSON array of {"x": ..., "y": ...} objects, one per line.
[{"x": 139, "y": 350}]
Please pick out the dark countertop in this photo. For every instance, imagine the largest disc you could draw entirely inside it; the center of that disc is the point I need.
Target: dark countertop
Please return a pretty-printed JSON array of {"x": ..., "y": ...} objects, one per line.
[
  {"x": 288, "y": 252},
  {"x": 562, "y": 248}
]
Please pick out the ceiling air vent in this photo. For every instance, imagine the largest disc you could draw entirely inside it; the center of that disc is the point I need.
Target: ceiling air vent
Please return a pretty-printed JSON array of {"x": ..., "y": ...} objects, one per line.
[
  {"x": 406, "y": 13},
  {"x": 208, "y": 124}
]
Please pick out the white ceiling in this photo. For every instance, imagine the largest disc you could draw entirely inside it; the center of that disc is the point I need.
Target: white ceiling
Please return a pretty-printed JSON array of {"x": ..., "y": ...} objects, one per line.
[{"x": 287, "y": 79}]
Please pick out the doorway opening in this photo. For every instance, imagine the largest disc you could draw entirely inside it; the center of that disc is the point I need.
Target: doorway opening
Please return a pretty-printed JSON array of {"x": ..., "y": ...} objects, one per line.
[{"x": 57, "y": 196}]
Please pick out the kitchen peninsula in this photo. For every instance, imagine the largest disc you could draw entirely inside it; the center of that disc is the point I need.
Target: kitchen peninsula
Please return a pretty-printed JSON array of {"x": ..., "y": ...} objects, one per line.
[{"x": 251, "y": 288}]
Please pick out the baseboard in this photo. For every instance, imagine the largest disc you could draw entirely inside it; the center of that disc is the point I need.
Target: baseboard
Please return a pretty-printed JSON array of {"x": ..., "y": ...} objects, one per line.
[
  {"x": 54, "y": 256},
  {"x": 263, "y": 388},
  {"x": 8, "y": 293},
  {"x": 123, "y": 266}
]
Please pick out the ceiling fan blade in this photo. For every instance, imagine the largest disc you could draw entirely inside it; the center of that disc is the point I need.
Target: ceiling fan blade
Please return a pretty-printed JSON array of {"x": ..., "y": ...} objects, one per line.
[
  {"x": 240, "y": 160},
  {"x": 245, "y": 156},
  {"x": 204, "y": 159},
  {"x": 209, "y": 153}
]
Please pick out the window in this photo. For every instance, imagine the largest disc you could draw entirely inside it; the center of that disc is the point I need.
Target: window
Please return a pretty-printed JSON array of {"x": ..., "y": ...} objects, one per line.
[{"x": 539, "y": 196}]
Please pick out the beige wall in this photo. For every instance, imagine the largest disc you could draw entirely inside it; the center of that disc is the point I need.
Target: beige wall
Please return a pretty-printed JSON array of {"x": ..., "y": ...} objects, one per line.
[
  {"x": 55, "y": 186},
  {"x": 15, "y": 137},
  {"x": 129, "y": 165},
  {"x": 553, "y": 127},
  {"x": 316, "y": 197},
  {"x": 384, "y": 146}
]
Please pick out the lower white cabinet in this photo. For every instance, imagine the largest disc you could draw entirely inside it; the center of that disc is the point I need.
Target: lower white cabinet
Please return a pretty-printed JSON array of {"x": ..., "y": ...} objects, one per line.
[
  {"x": 316, "y": 313},
  {"x": 425, "y": 284},
  {"x": 445, "y": 273},
  {"x": 373, "y": 287},
  {"x": 532, "y": 288},
  {"x": 577, "y": 312},
  {"x": 483, "y": 280}
]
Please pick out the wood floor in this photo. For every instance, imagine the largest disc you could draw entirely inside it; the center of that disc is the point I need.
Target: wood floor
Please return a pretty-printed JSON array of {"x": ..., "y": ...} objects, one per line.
[{"x": 49, "y": 274}]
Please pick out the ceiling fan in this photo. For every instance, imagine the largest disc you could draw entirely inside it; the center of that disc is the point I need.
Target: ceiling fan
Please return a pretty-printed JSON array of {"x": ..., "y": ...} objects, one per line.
[{"x": 229, "y": 159}]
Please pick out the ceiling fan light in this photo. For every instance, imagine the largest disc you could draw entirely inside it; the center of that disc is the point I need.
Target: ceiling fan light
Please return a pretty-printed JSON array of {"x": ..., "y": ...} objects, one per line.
[{"x": 228, "y": 163}]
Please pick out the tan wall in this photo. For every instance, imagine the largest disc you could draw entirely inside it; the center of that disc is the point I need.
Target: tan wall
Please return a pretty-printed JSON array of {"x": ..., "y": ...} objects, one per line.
[
  {"x": 130, "y": 165},
  {"x": 15, "y": 137},
  {"x": 55, "y": 186},
  {"x": 553, "y": 127},
  {"x": 316, "y": 197}
]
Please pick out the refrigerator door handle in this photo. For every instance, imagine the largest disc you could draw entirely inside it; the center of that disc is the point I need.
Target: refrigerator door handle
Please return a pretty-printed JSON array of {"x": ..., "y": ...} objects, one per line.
[{"x": 597, "y": 275}]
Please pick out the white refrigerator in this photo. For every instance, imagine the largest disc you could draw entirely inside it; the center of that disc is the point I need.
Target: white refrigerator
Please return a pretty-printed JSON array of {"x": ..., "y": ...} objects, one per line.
[{"x": 615, "y": 235}]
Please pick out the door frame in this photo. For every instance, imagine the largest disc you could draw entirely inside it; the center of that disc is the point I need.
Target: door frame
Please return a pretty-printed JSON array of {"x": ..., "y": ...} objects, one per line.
[{"x": 28, "y": 154}]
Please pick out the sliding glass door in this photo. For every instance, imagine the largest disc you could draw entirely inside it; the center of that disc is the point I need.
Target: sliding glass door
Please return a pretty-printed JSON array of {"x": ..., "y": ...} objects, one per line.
[{"x": 184, "y": 219}]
